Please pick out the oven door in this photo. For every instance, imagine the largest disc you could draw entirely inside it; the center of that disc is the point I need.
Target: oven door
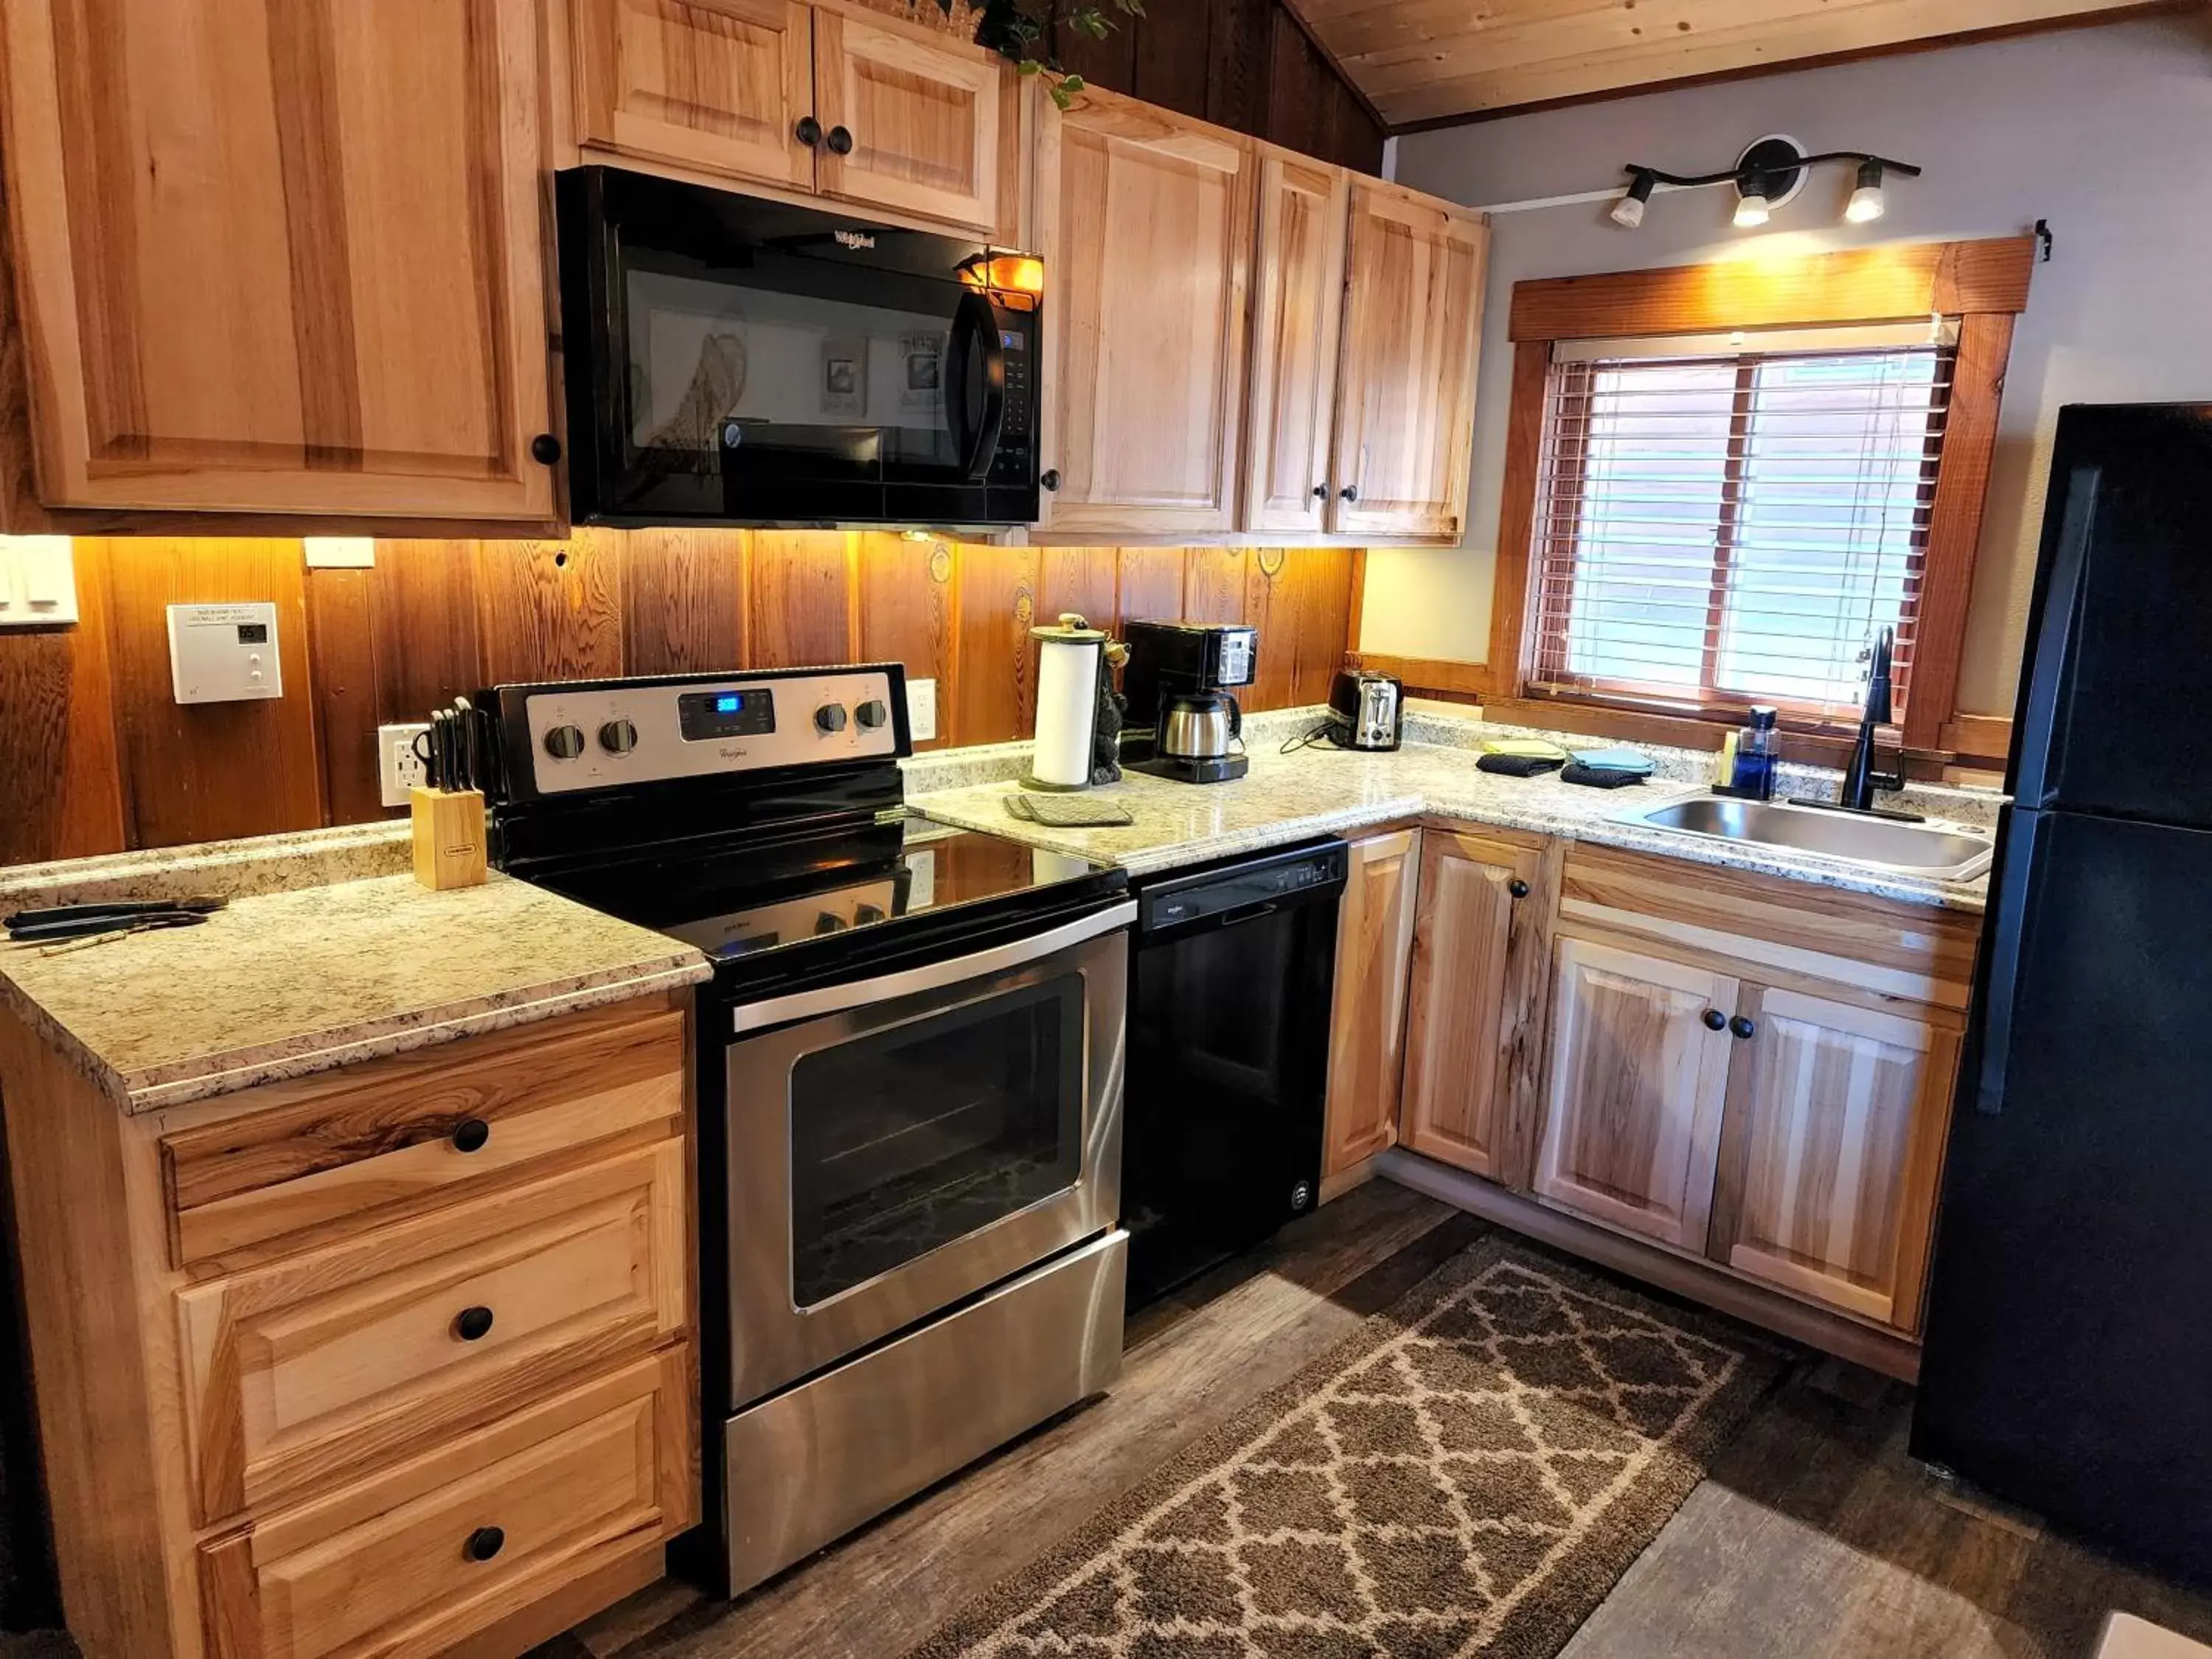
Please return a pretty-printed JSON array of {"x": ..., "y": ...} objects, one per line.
[
  {"x": 736, "y": 361},
  {"x": 898, "y": 1145}
]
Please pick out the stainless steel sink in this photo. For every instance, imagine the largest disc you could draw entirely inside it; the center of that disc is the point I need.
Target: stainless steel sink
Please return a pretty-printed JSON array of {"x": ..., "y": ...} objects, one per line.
[{"x": 1919, "y": 849}]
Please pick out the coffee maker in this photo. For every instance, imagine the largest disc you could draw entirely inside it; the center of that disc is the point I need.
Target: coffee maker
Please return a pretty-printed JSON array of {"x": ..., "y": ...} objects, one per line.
[{"x": 1181, "y": 720}]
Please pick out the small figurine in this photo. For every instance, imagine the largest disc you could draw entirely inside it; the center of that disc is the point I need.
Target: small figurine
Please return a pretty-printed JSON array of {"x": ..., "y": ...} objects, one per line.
[{"x": 1106, "y": 734}]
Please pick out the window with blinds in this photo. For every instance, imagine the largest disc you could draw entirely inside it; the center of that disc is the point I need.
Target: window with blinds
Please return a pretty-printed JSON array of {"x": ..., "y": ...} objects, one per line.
[{"x": 1733, "y": 520}]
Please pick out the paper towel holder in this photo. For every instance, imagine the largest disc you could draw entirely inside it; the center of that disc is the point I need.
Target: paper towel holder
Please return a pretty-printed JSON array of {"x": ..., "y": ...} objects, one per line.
[{"x": 1073, "y": 690}]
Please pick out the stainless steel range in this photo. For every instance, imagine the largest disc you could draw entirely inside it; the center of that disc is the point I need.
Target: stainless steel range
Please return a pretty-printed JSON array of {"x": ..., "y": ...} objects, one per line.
[{"x": 910, "y": 1078}]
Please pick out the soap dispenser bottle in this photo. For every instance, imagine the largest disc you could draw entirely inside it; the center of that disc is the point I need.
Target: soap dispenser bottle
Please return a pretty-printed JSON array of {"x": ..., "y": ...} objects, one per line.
[{"x": 1757, "y": 748}]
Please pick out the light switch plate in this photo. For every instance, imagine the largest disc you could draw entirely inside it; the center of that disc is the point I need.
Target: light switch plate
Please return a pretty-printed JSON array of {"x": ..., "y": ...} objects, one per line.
[
  {"x": 921, "y": 709},
  {"x": 224, "y": 653},
  {"x": 38, "y": 582}
]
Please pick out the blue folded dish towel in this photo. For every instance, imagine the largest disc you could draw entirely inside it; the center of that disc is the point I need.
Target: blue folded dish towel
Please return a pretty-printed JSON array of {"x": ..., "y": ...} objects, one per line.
[{"x": 1629, "y": 760}]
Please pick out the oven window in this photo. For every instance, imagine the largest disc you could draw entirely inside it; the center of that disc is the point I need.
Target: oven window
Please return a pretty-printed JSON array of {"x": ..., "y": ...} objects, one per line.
[{"x": 910, "y": 1137}]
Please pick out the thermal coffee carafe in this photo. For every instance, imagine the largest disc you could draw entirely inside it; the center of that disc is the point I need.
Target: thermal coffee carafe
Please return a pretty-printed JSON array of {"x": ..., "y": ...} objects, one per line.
[{"x": 1181, "y": 720}]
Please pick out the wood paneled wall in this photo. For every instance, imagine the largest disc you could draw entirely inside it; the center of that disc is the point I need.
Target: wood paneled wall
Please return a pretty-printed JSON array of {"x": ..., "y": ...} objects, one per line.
[
  {"x": 96, "y": 755},
  {"x": 1245, "y": 65}
]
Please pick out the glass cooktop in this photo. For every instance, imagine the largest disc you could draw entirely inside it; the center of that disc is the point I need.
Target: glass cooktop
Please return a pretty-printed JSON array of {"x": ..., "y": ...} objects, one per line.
[{"x": 743, "y": 903}]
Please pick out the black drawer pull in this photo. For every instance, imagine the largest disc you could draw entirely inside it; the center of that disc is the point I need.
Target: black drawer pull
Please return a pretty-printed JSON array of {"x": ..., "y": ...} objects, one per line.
[
  {"x": 470, "y": 1134},
  {"x": 484, "y": 1543},
  {"x": 545, "y": 449},
  {"x": 808, "y": 131},
  {"x": 471, "y": 1323},
  {"x": 1049, "y": 478},
  {"x": 1517, "y": 887},
  {"x": 1743, "y": 1027},
  {"x": 1715, "y": 1020},
  {"x": 841, "y": 142}
]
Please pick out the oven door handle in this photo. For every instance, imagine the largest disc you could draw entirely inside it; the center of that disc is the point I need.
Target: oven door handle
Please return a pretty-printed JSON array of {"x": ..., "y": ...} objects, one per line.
[{"x": 932, "y": 976}]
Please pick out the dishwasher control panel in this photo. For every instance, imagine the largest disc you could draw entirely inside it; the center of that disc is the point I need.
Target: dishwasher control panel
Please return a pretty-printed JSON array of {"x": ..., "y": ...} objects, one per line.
[{"x": 1243, "y": 886}]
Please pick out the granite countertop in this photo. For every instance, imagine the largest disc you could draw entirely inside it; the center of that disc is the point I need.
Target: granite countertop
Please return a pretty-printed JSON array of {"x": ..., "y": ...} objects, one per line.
[
  {"x": 1321, "y": 790},
  {"x": 284, "y": 983}
]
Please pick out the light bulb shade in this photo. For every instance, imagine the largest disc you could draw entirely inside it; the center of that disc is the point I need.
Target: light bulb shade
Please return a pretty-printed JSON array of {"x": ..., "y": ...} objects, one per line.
[
  {"x": 1751, "y": 209},
  {"x": 1867, "y": 204}
]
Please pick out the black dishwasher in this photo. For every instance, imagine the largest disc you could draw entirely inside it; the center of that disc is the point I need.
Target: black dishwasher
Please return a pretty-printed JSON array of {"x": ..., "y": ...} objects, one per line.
[{"x": 1230, "y": 982}]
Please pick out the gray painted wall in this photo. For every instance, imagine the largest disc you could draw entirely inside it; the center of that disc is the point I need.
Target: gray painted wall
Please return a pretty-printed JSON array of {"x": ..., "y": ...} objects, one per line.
[{"x": 2106, "y": 132}]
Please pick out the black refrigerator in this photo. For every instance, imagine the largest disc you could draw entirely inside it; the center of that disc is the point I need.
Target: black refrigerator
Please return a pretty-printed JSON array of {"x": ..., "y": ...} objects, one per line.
[{"x": 2068, "y": 1357}]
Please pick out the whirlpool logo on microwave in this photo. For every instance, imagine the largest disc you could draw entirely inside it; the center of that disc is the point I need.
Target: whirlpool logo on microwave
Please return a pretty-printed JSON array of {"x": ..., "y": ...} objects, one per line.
[{"x": 853, "y": 239}]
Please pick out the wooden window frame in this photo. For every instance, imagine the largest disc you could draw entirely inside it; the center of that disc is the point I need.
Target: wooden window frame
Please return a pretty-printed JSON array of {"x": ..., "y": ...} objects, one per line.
[{"x": 1982, "y": 284}]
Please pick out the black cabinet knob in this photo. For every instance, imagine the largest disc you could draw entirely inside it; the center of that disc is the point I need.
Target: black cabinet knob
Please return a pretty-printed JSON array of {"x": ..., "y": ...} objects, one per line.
[
  {"x": 1049, "y": 478},
  {"x": 1743, "y": 1027},
  {"x": 470, "y": 1324},
  {"x": 471, "y": 1134},
  {"x": 809, "y": 131},
  {"x": 841, "y": 142},
  {"x": 1350, "y": 492},
  {"x": 1517, "y": 887},
  {"x": 1715, "y": 1020},
  {"x": 1320, "y": 492},
  {"x": 484, "y": 1543},
  {"x": 545, "y": 449}
]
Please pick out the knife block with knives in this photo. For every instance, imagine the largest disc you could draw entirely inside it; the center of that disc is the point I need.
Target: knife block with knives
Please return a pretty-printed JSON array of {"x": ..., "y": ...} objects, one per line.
[{"x": 447, "y": 809}]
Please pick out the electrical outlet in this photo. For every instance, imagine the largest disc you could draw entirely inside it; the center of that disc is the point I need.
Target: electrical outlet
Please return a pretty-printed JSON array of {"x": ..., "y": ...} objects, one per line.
[
  {"x": 921, "y": 709},
  {"x": 398, "y": 770}
]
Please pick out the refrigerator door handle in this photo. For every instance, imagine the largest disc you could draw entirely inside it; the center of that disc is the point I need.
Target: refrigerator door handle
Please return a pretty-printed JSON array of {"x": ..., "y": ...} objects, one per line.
[
  {"x": 2041, "y": 738},
  {"x": 2010, "y": 905}
]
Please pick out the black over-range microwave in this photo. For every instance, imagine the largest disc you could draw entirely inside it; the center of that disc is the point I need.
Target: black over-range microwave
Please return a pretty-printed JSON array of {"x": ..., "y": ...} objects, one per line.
[{"x": 735, "y": 361}]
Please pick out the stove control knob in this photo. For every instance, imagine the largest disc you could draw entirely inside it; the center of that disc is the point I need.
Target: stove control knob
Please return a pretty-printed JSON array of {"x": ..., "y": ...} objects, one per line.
[
  {"x": 872, "y": 713},
  {"x": 565, "y": 742},
  {"x": 828, "y": 921},
  {"x": 867, "y": 915},
  {"x": 830, "y": 717},
  {"x": 618, "y": 737}
]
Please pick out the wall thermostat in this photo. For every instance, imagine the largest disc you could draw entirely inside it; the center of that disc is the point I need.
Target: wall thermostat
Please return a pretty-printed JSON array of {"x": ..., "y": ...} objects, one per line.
[{"x": 223, "y": 653}]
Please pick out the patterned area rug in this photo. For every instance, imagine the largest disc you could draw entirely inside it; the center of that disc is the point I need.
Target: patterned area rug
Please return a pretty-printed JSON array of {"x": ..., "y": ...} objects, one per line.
[{"x": 1468, "y": 1474}]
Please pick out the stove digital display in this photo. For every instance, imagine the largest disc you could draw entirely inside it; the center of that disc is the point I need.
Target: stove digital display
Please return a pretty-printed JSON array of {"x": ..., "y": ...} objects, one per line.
[{"x": 706, "y": 715}]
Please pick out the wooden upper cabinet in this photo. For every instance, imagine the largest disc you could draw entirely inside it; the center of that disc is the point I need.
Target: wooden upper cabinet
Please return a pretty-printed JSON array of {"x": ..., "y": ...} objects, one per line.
[
  {"x": 1637, "y": 1082},
  {"x": 1147, "y": 220},
  {"x": 1367, "y": 1024},
  {"x": 1476, "y": 1011},
  {"x": 280, "y": 255},
  {"x": 1832, "y": 1149},
  {"x": 1404, "y": 424},
  {"x": 923, "y": 115},
  {"x": 1297, "y": 306},
  {"x": 720, "y": 84}
]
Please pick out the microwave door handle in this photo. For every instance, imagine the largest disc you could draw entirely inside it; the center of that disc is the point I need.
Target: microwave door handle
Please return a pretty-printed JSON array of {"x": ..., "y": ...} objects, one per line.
[
  {"x": 977, "y": 325},
  {"x": 932, "y": 976}
]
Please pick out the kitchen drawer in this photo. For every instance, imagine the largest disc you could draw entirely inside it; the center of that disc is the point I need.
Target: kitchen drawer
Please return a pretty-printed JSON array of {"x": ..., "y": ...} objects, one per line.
[
  {"x": 409, "y": 1562},
  {"x": 337, "y": 1358},
  {"x": 347, "y": 1143}
]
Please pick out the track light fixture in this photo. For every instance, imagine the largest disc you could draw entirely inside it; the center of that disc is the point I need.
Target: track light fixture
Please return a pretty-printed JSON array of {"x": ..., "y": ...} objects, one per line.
[{"x": 1768, "y": 174}]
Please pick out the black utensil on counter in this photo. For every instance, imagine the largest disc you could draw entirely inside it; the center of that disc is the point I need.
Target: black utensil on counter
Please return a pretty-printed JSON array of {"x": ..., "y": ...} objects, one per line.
[
  {"x": 88, "y": 929},
  {"x": 115, "y": 909}
]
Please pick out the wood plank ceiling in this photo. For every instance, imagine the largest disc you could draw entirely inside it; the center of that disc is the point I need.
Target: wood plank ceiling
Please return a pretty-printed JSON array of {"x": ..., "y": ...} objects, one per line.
[{"x": 1431, "y": 60}]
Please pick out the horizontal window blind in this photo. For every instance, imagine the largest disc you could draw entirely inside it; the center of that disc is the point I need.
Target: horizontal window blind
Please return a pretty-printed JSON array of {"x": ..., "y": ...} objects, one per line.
[{"x": 1734, "y": 527}]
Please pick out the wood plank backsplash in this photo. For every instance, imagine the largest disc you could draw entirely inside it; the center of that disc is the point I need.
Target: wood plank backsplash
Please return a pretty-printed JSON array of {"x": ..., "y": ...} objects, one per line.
[{"x": 96, "y": 755}]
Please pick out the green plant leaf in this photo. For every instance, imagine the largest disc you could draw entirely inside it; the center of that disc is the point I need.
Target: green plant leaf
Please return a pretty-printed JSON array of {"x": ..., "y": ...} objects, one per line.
[
  {"x": 1029, "y": 66},
  {"x": 1071, "y": 84},
  {"x": 1062, "y": 96}
]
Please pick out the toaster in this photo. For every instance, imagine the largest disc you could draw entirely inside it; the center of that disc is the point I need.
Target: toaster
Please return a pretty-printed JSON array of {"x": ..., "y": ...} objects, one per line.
[{"x": 1365, "y": 709}]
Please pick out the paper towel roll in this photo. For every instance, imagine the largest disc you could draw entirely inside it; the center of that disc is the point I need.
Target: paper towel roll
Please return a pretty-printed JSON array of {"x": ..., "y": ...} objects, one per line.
[{"x": 1066, "y": 707}]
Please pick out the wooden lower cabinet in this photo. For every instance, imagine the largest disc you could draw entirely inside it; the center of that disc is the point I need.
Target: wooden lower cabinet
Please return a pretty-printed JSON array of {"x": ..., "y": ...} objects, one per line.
[
  {"x": 1476, "y": 1011},
  {"x": 1832, "y": 1148},
  {"x": 1638, "y": 1080},
  {"x": 454, "y": 1541},
  {"x": 1367, "y": 1024}
]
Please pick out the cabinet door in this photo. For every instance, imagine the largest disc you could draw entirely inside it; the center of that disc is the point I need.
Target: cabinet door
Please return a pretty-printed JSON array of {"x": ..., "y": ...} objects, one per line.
[
  {"x": 1413, "y": 322},
  {"x": 1147, "y": 253},
  {"x": 719, "y": 84},
  {"x": 1831, "y": 1152},
  {"x": 922, "y": 113},
  {"x": 1367, "y": 1025},
  {"x": 1637, "y": 1081},
  {"x": 280, "y": 255},
  {"x": 1477, "y": 984},
  {"x": 1297, "y": 304}
]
